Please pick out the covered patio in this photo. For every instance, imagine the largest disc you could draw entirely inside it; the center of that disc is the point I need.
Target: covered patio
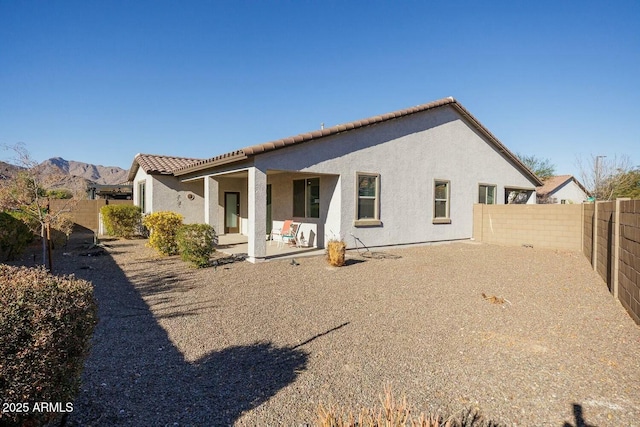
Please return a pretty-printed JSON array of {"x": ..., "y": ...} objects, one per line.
[
  {"x": 244, "y": 204},
  {"x": 238, "y": 244}
]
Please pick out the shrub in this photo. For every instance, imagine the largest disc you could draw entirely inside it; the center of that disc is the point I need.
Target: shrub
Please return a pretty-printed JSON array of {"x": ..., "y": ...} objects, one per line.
[
  {"x": 46, "y": 323},
  {"x": 163, "y": 227},
  {"x": 336, "y": 252},
  {"x": 14, "y": 237},
  {"x": 396, "y": 413},
  {"x": 195, "y": 243},
  {"x": 121, "y": 220}
]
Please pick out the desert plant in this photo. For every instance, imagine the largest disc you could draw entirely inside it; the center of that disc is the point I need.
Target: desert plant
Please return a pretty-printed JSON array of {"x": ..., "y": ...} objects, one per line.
[
  {"x": 121, "y": 220},
  {"x": 196, "y": 243},
  {"x": 390, "y": 413},
  {"x": 336, "y": 250},
  {"x": 163, "y": 227},
  {"x": 46, "y": 323},
  {"x": 14, "y": 237}
]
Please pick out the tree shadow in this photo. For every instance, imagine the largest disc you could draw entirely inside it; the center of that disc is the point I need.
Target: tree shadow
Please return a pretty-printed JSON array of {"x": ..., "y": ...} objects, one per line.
[
  {"x": 136, "y": 376},
  {"x": 578, "y": 417}
]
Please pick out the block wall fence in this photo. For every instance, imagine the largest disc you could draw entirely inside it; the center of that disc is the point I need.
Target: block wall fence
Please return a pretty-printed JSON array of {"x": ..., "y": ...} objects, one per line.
[
  {"x": 85, "y": 213},
  {"x": 607, "y": 233}
]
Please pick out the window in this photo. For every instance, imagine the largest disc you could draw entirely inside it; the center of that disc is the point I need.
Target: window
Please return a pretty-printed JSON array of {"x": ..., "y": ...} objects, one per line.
[
  {"x": 367, "y": 197},
  {"x": 441, "y": 202},
  {"x": 142, "y": 196},
  {"x": 487, "y": 194},
  {"x": 306, "y": 198}
]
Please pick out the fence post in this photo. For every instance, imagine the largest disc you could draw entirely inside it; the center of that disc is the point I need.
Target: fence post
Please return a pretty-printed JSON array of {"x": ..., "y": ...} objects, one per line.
[
  {"x": 594, "y": 249},
  {"x": 616, "y": 246}
]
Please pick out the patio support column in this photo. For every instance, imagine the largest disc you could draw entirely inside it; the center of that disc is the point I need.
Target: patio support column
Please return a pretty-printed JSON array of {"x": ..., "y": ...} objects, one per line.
[
  {"x": 211, "y": 202},
  {"x": 257, "y": 215}
]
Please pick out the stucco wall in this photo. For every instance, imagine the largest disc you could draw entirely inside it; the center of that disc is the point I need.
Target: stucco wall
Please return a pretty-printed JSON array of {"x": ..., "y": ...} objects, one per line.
[
  {"x": 409, "y": 154},
  {"x": 141, "y": 176},
  {"x": 168, "y": 193},
  {"x": 570, "y": 192}
]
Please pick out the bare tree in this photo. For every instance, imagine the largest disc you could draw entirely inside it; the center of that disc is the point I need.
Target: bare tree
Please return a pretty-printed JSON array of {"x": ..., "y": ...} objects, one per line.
[
  {"x": 25, "y": 191},
  {"x": 603, "y": 176}
]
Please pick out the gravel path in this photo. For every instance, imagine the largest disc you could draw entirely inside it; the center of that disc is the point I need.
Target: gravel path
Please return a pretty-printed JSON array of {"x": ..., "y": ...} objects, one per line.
[{"x": 264, "y": 344}]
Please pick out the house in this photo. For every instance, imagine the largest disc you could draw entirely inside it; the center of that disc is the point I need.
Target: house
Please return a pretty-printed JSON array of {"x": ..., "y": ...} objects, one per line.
[
  {"x": 123, "y": 191},
  {"x": 405, "y": 177},
  {"x": 561, "y": 189},
  {"x": 155, "y": 188}
]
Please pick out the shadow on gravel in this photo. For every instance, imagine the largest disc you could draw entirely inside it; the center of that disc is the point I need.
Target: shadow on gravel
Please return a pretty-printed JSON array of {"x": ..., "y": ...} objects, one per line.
[
  {"x": 135, "y": 376},
  {"x": 579, "y": 418}
]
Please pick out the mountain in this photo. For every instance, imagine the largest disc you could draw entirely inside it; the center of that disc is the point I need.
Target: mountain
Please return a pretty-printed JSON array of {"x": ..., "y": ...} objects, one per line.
[
  {"x": 8, "y": 170},
  {"x": 95, "y": 173}
]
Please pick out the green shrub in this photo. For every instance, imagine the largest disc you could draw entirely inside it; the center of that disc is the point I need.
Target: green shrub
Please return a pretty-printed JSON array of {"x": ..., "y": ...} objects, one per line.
[
  {"x": 46, "y": 323},
  {"x": 163, "y": 227},
  {"x": 121, "y": 220},
  {"x": 195, "y": 243},
  {"x": 14, "y": 237}
]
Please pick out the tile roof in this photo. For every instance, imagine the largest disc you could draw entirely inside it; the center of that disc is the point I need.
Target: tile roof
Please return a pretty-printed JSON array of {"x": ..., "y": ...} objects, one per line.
[
  {"x": 253, "y": 150},
  {"x": 552, "y": 183},
  {"x": 158, "y": 165}
]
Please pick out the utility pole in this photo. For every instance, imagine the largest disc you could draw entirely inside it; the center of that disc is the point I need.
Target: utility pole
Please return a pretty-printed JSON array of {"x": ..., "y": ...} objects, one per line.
[{"x": 597, "y": 189}]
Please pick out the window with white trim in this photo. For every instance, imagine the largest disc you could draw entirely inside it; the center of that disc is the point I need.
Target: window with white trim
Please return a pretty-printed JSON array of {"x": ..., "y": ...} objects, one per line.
[
  {"x": 142, "y": 196},
  {"x": 368, "y": 190},
  {"x": 441, "y": 199}
]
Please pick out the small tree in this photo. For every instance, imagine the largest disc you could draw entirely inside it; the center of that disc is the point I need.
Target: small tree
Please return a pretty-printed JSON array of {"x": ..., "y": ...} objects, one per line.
[
  {"x": 25, "y": 191},
  {"x": 541, "y": 167}
]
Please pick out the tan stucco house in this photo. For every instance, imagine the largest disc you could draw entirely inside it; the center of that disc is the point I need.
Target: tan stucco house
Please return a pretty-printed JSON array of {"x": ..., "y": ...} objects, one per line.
[{"x": 404, "y": 177}]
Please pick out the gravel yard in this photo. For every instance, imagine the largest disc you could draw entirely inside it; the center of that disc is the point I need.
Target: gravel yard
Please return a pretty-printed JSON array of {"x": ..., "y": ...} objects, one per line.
[{"x": 246, "y": 344}]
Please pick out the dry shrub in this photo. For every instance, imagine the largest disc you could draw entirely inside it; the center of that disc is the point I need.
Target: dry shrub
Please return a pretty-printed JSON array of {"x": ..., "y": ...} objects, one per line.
[
  {"x": 390, "y": 413},
  {"x": 336, "y": 252},
  {"x": 394, "y": 413},
  {"x": 46, "y": 323}
]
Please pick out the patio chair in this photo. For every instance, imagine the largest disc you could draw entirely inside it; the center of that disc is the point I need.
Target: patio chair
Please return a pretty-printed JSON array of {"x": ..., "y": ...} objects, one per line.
[
  {"x": 289, "y": 237},
  {"x": 278, "y": 233}
]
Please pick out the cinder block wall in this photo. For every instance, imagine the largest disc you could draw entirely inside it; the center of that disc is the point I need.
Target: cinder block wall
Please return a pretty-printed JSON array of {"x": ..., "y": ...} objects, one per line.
[
  {"x": 85, "y": 213},
  {"x": 543, "y": 226},
  {"x": 604, "y": 240},
  {"x": 629, "y": 265},
  {"x": 587, "y": 232}
]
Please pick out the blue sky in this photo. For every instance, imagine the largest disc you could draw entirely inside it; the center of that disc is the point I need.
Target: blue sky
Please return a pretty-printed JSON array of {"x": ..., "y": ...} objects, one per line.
[{"x": 99, "y": 81}]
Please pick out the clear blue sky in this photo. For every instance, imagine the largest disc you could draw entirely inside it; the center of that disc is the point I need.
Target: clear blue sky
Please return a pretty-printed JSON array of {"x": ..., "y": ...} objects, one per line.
[{"x": 99, "y": 81}]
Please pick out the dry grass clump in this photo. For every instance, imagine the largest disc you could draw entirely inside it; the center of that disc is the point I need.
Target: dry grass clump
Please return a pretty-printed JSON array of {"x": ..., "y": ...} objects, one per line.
[
  {"x": 336, "y": 250},
  {"x": 394, "y": 413}
]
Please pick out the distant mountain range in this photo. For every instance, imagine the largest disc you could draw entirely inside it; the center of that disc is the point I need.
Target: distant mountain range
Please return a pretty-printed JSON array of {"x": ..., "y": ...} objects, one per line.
[
  {"x": 95, "y": 173},
  {"x": 74, "y": 173}
]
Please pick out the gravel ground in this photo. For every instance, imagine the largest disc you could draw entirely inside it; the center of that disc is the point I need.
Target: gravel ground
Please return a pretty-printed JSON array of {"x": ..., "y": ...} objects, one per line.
[{"x": 246, "y": 344}]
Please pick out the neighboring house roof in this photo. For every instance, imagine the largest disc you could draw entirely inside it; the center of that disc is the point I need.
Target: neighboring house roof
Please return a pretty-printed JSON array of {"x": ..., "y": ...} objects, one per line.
[
  {"x": 553, "y": 183},
  {"x": 253, "y": 150},
  {"x": 158, "y": 165}
]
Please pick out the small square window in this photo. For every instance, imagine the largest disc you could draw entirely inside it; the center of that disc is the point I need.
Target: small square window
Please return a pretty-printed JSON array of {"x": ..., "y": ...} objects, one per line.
[{"x": 487, "y": 194}]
